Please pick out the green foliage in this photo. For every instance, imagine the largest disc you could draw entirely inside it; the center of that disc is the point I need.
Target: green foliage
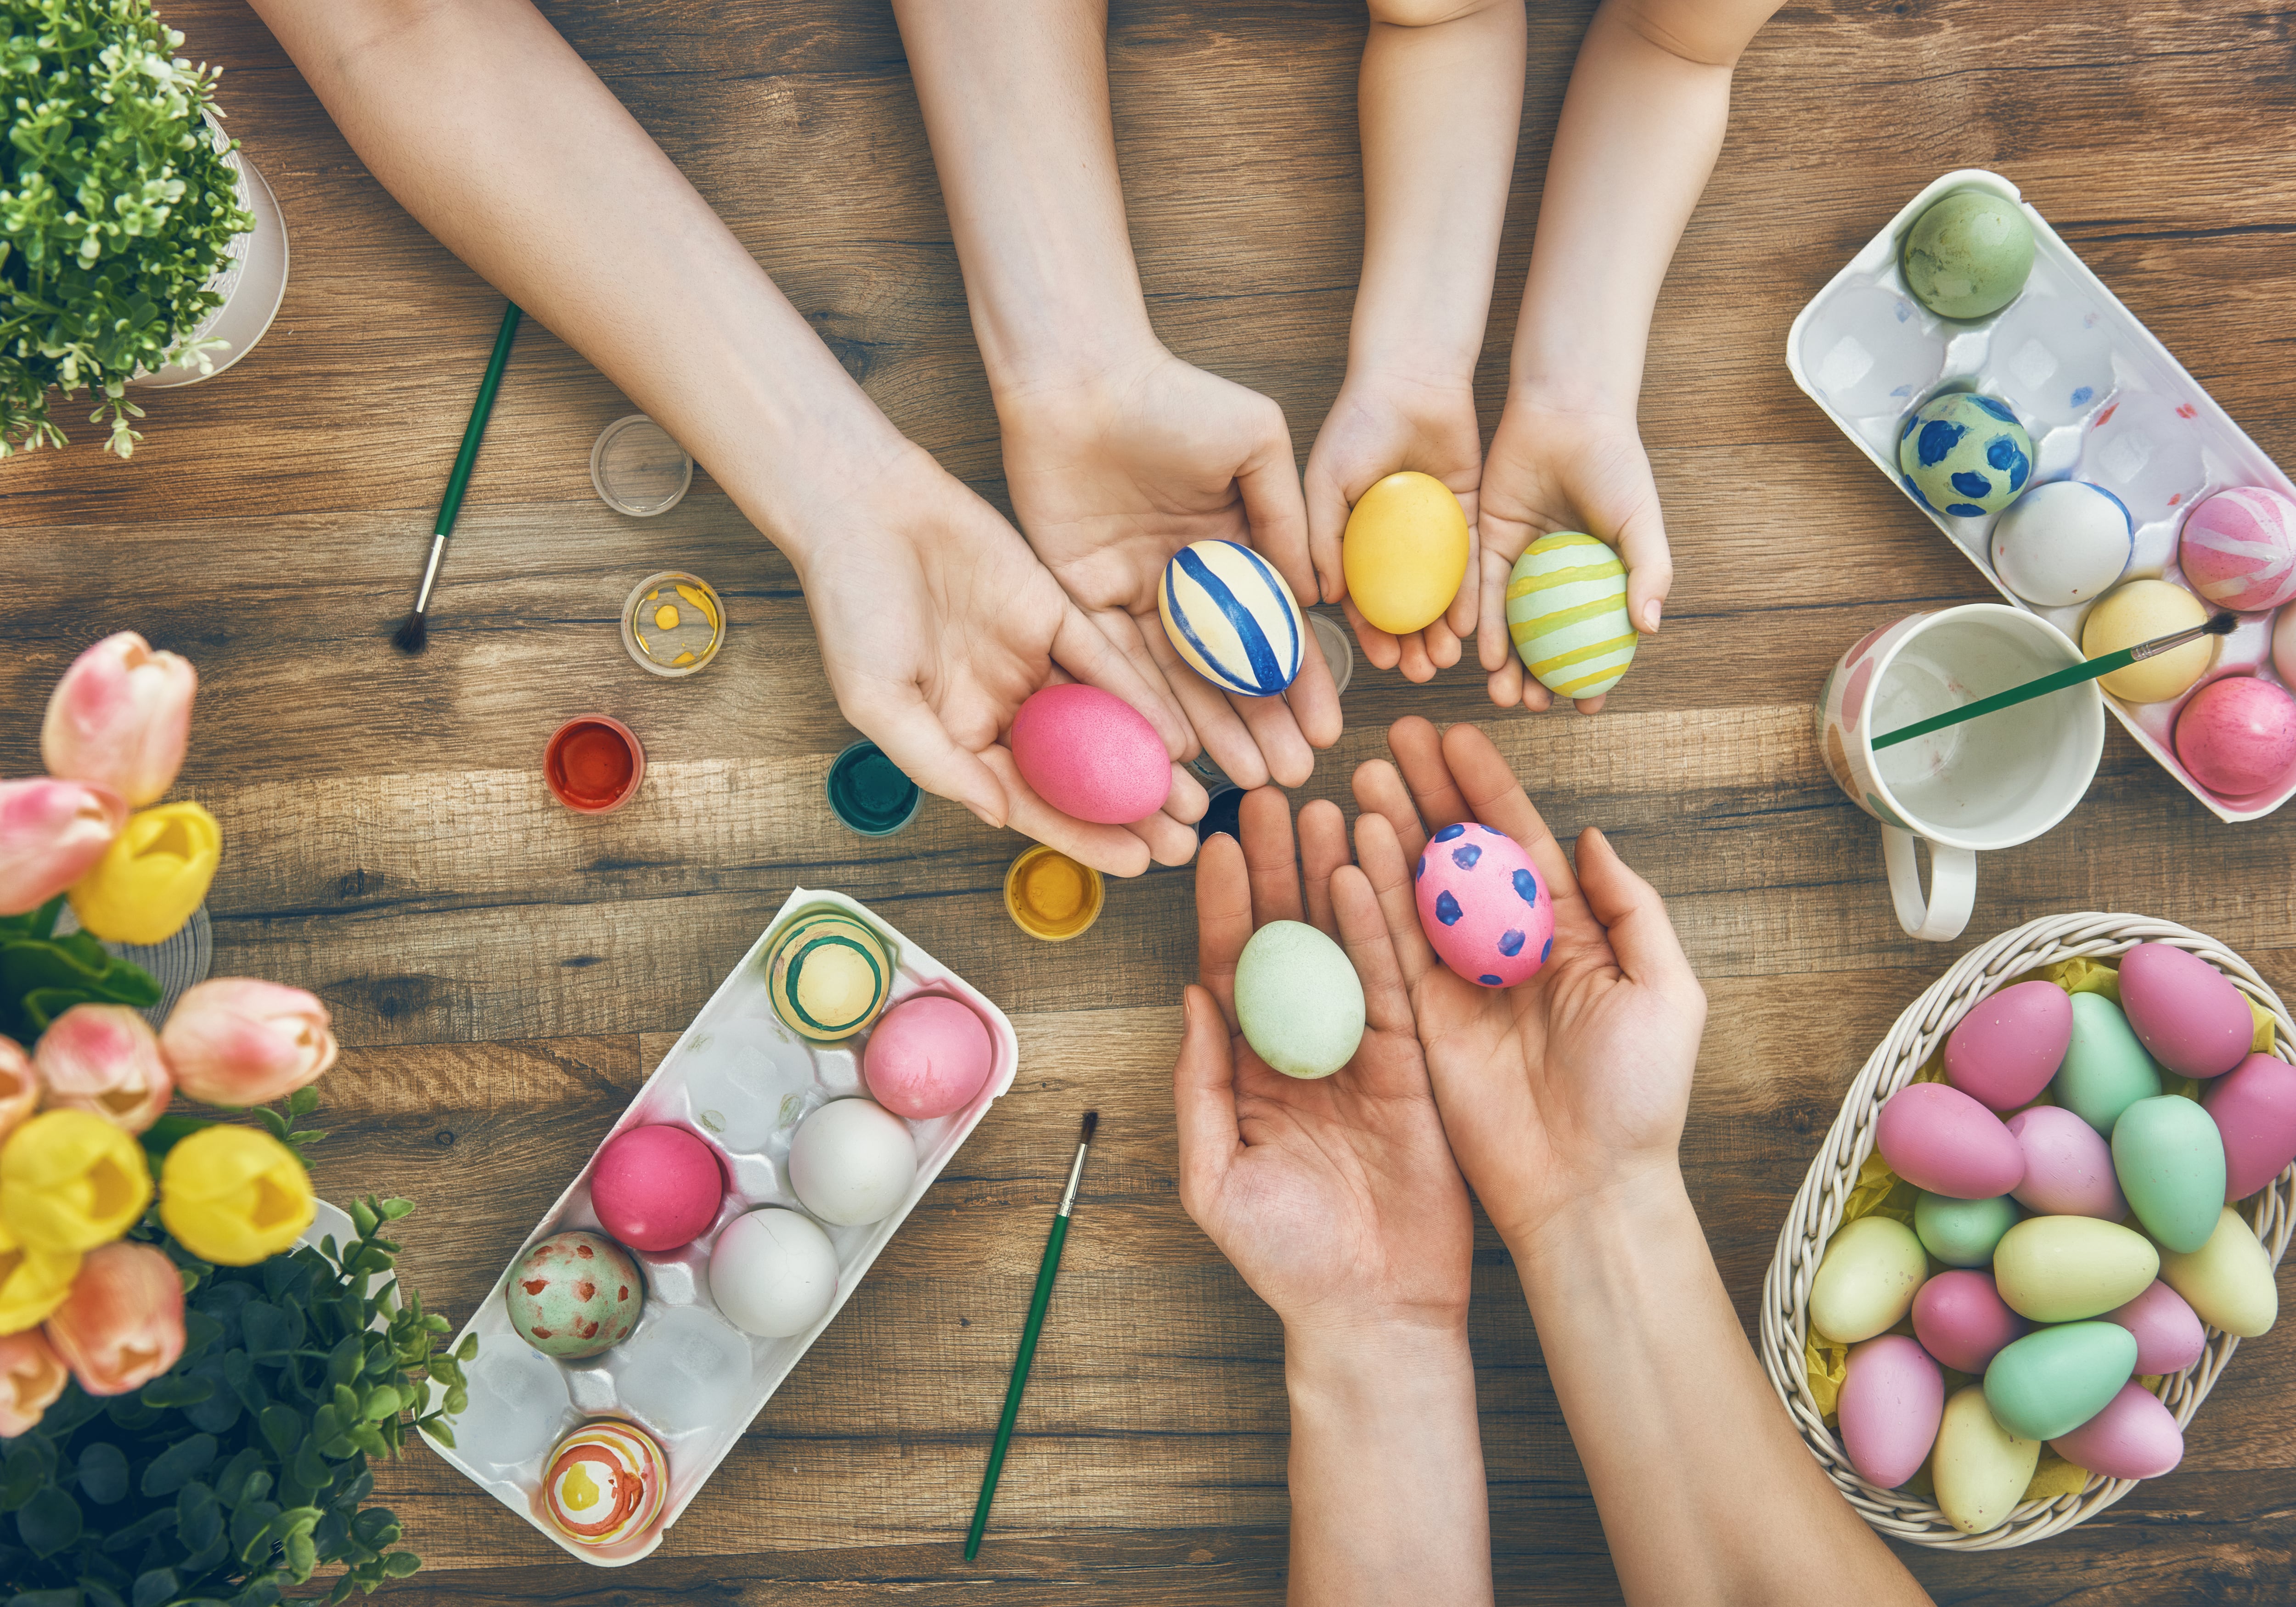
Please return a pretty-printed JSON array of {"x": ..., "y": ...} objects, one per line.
[
  {"x": 243, "y": 1469},
  {"x": 117, "y": 208},
  {"x": 42, "y": 975}
]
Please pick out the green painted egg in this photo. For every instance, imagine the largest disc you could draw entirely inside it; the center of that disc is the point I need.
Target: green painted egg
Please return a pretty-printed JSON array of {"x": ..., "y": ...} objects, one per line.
[
  {"x": 2054, "y": 1380},
  {"x": 1962, "y": 1233},
  {"x": 1299, "y": 1000},
  {"x": 1866, "y": 1282},
  {"x": 2229, "y": 1279},
  {"x": 575, "y": 1295},
  {"x": 1964, "y": 455},
  {"x": 2170, "y": 1161},
  {"x": 2106, "y": 1068},
  {"x": 1968, "y": 256},
  {"x": 2061, "y": 1269},
  {"x": 829, "y": 975},
  {"x": 1566, "y": 611},
  {"x": 1981, "y": 1469}
]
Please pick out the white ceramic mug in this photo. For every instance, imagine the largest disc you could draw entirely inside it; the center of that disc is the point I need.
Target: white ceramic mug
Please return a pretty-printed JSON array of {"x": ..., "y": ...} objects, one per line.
[{"x": 1991, "y": 783}]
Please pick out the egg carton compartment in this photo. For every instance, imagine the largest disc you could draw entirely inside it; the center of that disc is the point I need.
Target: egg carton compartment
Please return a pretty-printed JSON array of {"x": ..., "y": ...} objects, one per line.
[
  {"x": 2102, "y": 399},
  {"x": 743, "y": 1081}
]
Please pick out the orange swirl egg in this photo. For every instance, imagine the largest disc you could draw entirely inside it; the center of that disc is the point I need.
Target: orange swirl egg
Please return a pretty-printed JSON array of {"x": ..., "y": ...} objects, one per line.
[{"x": 607, "y": 1483}]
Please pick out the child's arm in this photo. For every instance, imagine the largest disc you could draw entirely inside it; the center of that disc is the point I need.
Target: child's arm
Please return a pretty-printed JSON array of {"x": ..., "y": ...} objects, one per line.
[
  {"x": 1438, "y": 102},
  {"x": 1642, "y": 124}
]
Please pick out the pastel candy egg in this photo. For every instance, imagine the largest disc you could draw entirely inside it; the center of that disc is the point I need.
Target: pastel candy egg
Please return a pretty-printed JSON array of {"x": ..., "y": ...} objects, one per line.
[
  {"x": 1866, "y": 1281},
  {"x": 852, "y": 1161},
  {"x": 2238, "y": 737},
  {"x": 2134, "y": 1437},
  {"x": 605, "y": 1483},
  {"x": 2137, "y": 610},
  {"x": 1892, "y": 1399},
  {"x": 2056, "y": 1379},
  {"x": 1968, "y": 255},
  {"x": 2068, "y": 1166},
  {"x": 2189, "y": 1018},
  {"x": 656, "y": 1188},
  {"x": 1566, "y": 613},
  {"x": 928, "y": 1056},
  {"x": 1231, "y": 618},
  {"x": 1962, "y": 1233},
  {"x": 1090, "y": 755},
  {"x": 2238, "y": 549},
  {"x": 828, "y": 975},
  {"x": 1486, "y": 911},
  {"x": 2008, "y": 1047},
  {"x": 2062, "y": 1270},
  {"x": 2229, "y": 1279},
  {"x": 1940, "y": 1139},
  {"x": 1964, "y": 455},
  {"x": 574, "y": 1294},
  {"x": 2063, "y": 544},
  {"x": 2171, "y": 1165},
  {"x": 2169, "y": 1337},
  {"x": 773, "y": 1272},
  {"x": 1962, "y": 1320},
  {"x": 2106, "y": 1069},
  {"x": 1404, "y": 552},
  {"x": 1980, "y": 1468},
  {"x": 2254, "y": 1108},
  {"x": 1299, "y": 1000}
]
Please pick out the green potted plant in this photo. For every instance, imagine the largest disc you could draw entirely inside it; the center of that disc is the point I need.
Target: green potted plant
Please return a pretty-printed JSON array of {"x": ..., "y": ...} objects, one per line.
[{"x": 177, "y": 267}]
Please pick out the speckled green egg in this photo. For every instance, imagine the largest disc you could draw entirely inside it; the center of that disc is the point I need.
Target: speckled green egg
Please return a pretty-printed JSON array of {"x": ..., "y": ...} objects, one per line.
[
  {"x": 1964, "y": 455},
  {"x": 575, "y": 1295},
  {"x": 1968, "y": 256}
]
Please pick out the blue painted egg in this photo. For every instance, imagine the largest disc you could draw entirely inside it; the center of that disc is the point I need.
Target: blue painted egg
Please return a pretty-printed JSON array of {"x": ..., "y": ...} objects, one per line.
[
  {"x": 1485, "y": 910},
  {"x": 1964, "y": 455},
  {"x": 1231, "y": 618}
]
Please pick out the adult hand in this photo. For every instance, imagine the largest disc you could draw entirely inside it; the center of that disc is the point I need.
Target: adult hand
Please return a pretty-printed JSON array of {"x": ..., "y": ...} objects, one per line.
[
  {"x": 1380, "y": 425},
  {"x": 1110, "y": 476},
  {"x": 1559, "y": 467}
]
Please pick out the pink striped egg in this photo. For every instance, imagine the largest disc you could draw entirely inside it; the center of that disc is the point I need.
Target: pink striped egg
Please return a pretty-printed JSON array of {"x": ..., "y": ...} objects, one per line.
[{"x": 2238, "y": 548}]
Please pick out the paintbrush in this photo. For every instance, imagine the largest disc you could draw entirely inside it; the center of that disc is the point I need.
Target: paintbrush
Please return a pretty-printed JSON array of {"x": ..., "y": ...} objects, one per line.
[
  {"x": 2057, "y": 681},
  {"x": 1046, "y": 1270},
  {"x": 412, "y": 634}
]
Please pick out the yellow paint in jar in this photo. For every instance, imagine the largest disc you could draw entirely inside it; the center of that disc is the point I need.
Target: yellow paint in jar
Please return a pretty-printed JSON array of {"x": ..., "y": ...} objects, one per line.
[
  {"x": 673, "y": 623},
  {"x": 1404, "y": 552},
  {"x": 1050, "y": 896}
]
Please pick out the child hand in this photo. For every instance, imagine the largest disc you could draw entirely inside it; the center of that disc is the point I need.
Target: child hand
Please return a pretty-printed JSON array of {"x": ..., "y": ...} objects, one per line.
[
  {"x": 1551, "y": 469},
  {"x": 1574, "y": 1083}
]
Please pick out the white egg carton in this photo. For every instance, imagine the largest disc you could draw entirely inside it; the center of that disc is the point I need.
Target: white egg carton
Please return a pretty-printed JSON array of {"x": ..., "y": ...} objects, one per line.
[
  {"x": 741, "y": 1080},
  {"x": 2101, "y": 397}
]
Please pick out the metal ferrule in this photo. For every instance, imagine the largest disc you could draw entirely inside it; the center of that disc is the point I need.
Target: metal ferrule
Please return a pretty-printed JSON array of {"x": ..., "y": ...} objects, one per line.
[
  {"x": 429, "y": 574},
  {"x": 1076, "y": 1176}
]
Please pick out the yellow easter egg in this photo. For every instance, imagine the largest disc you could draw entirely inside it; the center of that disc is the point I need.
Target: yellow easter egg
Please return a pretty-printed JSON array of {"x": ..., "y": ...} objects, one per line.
[
  {"x": 1406, "y": 551},
  {"x": 1566, "y": 613},
  {"x": 1980, "y": 1468},
  {"x": 2138, "y": 612}
]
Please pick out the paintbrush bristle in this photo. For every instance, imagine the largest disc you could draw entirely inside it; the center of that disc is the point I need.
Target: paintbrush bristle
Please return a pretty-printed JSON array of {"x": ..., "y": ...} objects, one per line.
[
  {"x": 2222, "y": 625},
  {"x": 412, "y": 635},
  {"x": 1091, "y": 1125}
]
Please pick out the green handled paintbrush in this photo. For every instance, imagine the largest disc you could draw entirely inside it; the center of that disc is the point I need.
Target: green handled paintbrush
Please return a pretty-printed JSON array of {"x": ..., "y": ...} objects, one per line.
[
  {"x": 1046, "y": 1270},
  {"x": 2057, "y": 681},
  {"x": 412, "y": 632}
]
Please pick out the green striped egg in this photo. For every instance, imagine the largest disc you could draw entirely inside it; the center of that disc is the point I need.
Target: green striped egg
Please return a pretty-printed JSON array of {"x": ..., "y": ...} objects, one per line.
[
  {"x": 1566, "y": 610},
  {"x": 829, "y": 975}
]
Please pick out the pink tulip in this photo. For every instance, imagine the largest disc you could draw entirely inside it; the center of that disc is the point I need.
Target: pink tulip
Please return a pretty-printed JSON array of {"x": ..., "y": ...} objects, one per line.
[
  {"x": 20, "y": 1085},
  {"x": 120, "y": 716},
  {"x": 104, "y": 1059},
  {"x": 236, "y": 1041},
  {"x": 31, "y": 1377},
  {"x": 52, "y": 834},
  {"x": 122, "y": 1324}
]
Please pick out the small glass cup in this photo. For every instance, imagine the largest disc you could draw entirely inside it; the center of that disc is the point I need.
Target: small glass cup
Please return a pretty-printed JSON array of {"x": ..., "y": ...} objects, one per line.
[
  {"x": 868, "y": 792},
  {"x": 638, "y": 469},
  {"x": 673, "y": 624},
  {"x": 1050, "y": 896}
]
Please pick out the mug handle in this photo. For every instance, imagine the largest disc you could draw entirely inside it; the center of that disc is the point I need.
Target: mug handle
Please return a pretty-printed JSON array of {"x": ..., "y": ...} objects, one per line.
[{"x": 1953, "y": 887}]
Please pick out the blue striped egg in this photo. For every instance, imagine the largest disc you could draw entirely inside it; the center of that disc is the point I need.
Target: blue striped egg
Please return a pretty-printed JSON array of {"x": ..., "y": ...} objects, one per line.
[
  {"x": 1566, "y": 612},
  {"x": 1232, "y": 618}
]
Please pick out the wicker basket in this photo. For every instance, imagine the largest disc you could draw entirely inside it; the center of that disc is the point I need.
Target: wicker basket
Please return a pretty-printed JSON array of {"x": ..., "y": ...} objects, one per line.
[{"x": 1818, "y": 1210}]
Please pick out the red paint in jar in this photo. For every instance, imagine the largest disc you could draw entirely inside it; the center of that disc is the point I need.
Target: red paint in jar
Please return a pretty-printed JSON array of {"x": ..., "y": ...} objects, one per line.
[{"x": 593, "y": 764}]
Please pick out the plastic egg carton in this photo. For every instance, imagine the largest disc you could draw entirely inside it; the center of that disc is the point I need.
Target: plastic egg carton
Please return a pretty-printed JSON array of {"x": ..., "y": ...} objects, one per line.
[
  {"x": 741, "y": 1080},
  {"x": 2101, "y": 397}
]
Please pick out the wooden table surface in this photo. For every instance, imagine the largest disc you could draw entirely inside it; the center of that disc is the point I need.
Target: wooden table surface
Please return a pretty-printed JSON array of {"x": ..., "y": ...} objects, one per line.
[{"x": 503, "y": 974}]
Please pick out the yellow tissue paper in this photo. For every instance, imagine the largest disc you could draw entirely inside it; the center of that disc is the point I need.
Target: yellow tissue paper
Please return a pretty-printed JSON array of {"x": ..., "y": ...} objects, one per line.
[
  {"x": 2055, "y": 1477},
  {"x": 1828, "y": 1365},
  {"x": 2084, "y": 976}
]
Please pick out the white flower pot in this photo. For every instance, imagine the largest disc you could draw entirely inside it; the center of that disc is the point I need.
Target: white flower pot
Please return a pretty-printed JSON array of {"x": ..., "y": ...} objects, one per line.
[{"x": 251, "y": 283}]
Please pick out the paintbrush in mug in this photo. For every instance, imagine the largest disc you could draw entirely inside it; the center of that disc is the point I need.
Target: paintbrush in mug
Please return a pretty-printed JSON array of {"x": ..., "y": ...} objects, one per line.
[
  {"x": 1045, "y": 1272},
  {"x": 413, "y": 632},
  {"x": 2057, "y": 681}
]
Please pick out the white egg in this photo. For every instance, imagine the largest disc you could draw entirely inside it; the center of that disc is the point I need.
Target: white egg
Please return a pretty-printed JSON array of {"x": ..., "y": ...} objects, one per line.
[
  {"x": 852, "y": 1161},
  {"x": 773, "y": 1272},
  {"x": 2063, "y": 544}
]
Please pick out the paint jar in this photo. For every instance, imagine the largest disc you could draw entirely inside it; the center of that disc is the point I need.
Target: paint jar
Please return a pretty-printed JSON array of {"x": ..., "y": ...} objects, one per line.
[
  {"x": 868, "y": 792},
  {"x": 1050, "y": 896},
  {"x": 1339, "y": 650},
  {"x": 593, "y": 764},
  {"x": 638, "y": 469},
  {"x": 1223, "y": 814},
  {"x": 673, "y": 624}
]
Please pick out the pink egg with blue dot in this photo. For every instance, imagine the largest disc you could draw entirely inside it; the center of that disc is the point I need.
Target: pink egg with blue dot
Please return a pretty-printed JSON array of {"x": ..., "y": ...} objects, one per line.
[{"x": 1485, "y": 910}]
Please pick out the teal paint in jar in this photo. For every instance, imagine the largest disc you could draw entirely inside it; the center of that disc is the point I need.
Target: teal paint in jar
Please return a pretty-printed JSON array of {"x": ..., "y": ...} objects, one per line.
[{"x": 869, "y": 793}]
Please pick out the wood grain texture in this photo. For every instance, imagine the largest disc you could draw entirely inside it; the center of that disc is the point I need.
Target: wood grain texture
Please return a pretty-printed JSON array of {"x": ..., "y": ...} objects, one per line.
[{"x": 505, "y": 974}]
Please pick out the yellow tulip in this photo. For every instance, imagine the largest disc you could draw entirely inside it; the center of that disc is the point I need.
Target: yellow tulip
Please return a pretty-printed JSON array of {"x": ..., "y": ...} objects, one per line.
[
  {"x": 234, "y": 1196},
  {"x": 33, "y": 1283},
  {"x": 69, "y": 1181},
  {"x": 151, "y": 877}
]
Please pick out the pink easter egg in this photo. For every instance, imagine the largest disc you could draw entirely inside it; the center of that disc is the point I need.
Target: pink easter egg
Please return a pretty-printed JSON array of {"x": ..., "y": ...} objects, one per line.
[
  {"x": 1091, "y": 755},
  {"x": 926, "y": 1057},
  {"x": 2169, "y": 1337},
  {"x": 2134, "y": 1437},
  {"x": 2184, "y": 1012},
  {"x": 2005, "y": 1050},
  {"x": 1962, "y": 1319},
  {"x": 1486, "y": 911},
  {"x": 2254, "y": 1108},
  {"x": 2238, "y": 737},
  {"x": 1892, "y": 1398},
  {"x": 2068, "y": 1166},
  {"x": 656, "y": 1188},
  {"x": 2238, "y": 549},
  {"x": 1938, "y": 1138}
]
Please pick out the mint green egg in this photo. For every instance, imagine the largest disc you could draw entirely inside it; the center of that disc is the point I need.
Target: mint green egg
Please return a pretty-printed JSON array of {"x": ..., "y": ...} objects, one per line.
[
  {"x": 1969, "y": 255},
  {"x": 2170, "y": 1161},
  {"x": 2054, "y": 1380},
  {"x": 1962, "y": 1233},
  {"x": 1299, "y": 1000},
  {"x": 2106, "y": 1068}
]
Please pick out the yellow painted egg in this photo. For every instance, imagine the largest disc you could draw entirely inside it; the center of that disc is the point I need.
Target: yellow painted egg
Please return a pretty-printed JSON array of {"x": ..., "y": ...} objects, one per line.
[
  {"x": 829, "y": 975},
  {"x": 1566, "y": 611},
  {"x": 1406, "y": 551},
  {"x": 1980, "y": 1468},
  {"x": 1868, "y": 1281},
  {"x": 2228, "y": 1281},
  {"x": 2138, "y": 612}
]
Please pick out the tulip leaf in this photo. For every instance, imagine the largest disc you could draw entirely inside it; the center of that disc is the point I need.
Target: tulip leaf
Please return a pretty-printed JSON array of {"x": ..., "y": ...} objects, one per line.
[
  {"x": 42, "y": 976},
  {"x": 49, "y": 1521}
]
